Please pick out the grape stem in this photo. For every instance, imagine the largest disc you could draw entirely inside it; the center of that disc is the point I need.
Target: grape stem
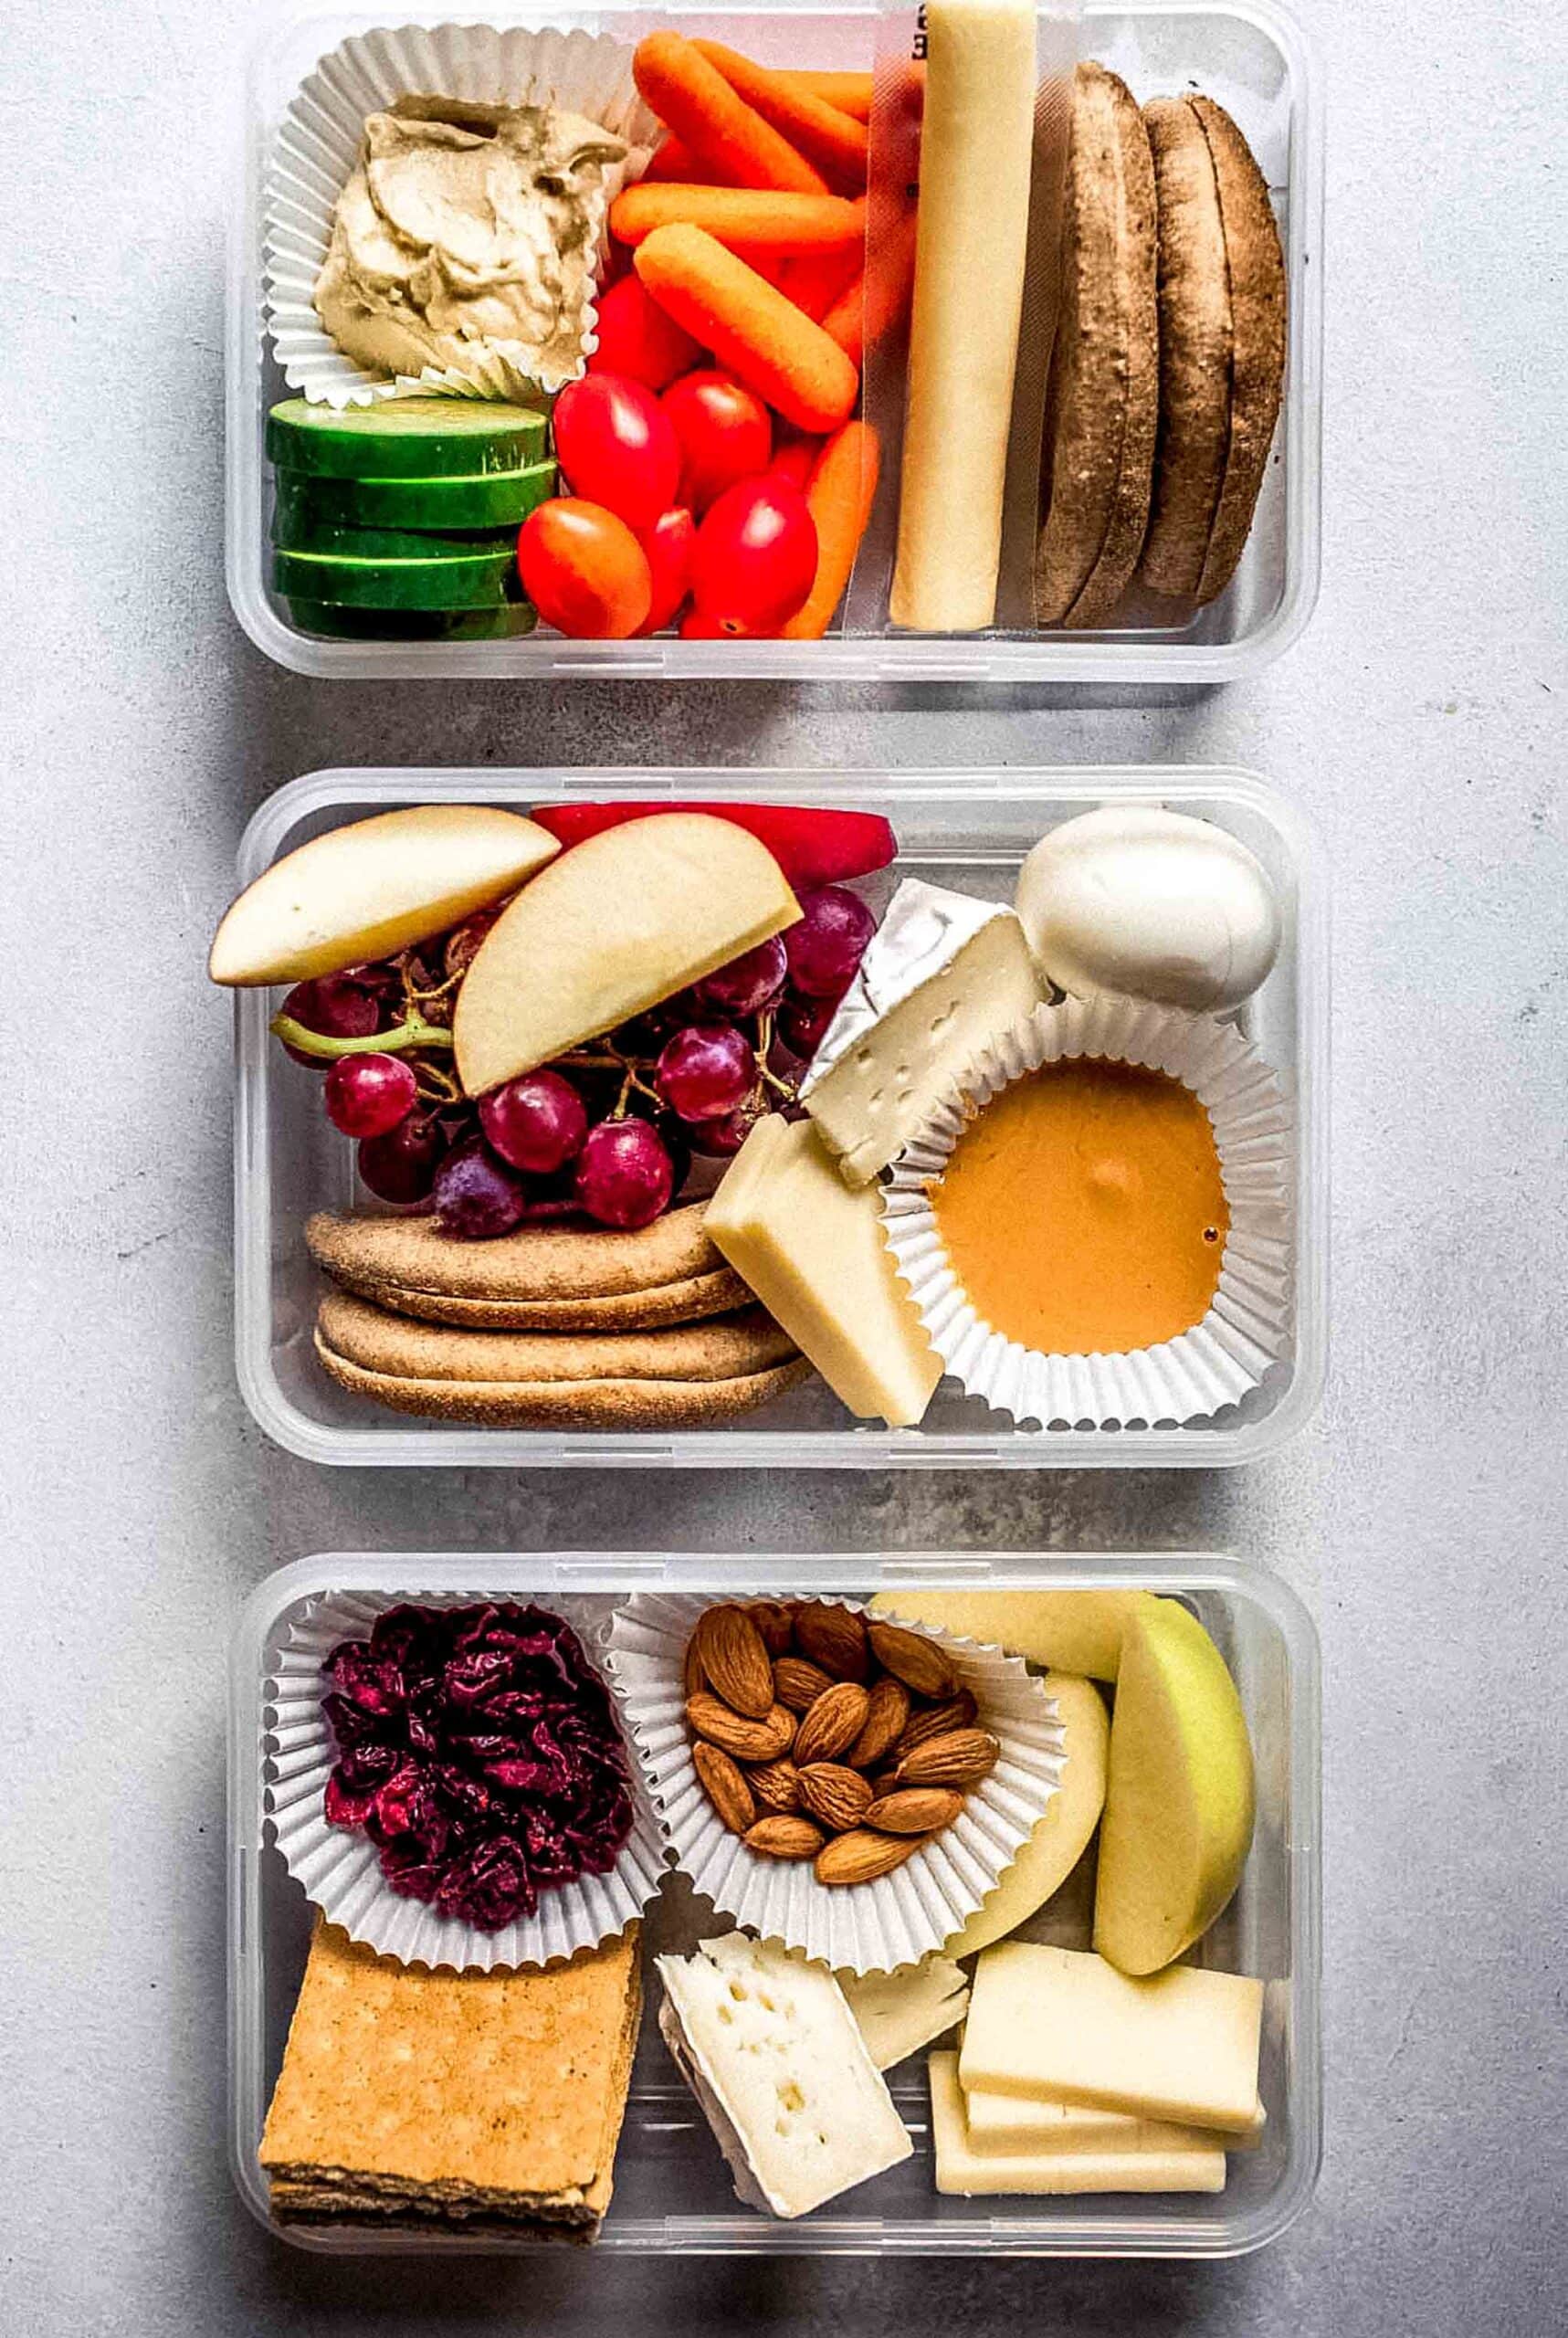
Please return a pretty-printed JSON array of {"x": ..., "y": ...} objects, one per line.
[{"x": 414, "y": 1032}]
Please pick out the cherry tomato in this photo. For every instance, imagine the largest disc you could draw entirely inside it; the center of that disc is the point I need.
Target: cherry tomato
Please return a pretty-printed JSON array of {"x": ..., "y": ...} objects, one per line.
[
  {"x": 637, "y": 340},
  {"x": 794, "y": 464},
  {"x": 668, "y": 544},
  {"x": 755, "y": 560},
  {"x": 699, "y": 628},
  {"x": 616, "y": 448},
  {"x": 725, "y": 431},
  {"x": 584, "y": 570}
]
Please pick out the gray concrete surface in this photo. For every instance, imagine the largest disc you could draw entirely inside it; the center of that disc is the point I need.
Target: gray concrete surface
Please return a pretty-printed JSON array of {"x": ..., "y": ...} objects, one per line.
[{"x": 1424, "y": 1515}]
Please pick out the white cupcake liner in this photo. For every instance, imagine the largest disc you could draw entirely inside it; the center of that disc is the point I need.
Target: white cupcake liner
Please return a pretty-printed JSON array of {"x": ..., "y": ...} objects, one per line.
[
  {"x": 318, "y": 145},
  {"x": 856, "y": 1928},
  {"x": 337, "y": 1867},
  {"x": 1247, "y": 1329}
]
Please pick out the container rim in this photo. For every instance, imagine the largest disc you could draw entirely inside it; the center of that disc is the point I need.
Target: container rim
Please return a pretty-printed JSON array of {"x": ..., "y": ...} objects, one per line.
[
  {"x": 562, "y": 1573},
  {"x": 1137, "y": 662}
]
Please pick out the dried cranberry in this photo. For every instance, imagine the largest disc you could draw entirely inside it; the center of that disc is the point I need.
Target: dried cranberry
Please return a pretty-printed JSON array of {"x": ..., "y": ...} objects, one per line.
[{"x": 479, "y": 1751}]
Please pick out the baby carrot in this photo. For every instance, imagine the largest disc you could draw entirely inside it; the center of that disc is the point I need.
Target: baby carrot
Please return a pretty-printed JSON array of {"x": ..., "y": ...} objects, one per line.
[
  {"x": 839, "y": 498},
  {"x": 830, "y": 139},
  {"x": 675, "y": 164},
  {"x": 815, "y": 281},
  {"x": 750, "y": 327},
  {"x": 879, "y": 298},
  {"x": 850, "y": 92},
  {"x": 745, "y": 219},
  {"x": 697, "y": 105}
]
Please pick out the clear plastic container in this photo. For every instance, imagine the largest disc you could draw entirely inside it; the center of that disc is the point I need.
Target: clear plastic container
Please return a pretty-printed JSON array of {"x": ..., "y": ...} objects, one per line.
[
  {"x": 672, "y": 2191},
  {"x": 970, "y": 829},
  {"x": 1249, "y": 55}
]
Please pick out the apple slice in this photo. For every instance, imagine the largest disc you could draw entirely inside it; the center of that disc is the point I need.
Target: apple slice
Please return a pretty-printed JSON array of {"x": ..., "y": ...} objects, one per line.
[
  {"x": 370, "y": 890},
  {"x": 626, "y": 919},
  {"x": 1178, "y": 1795},
  {"x": 1062, "y": 1837},
  {"x": 1080, "y": 1631}
]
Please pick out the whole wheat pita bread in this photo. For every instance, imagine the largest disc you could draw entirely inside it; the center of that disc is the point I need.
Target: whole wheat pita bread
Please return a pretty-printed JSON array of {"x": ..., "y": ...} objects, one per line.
[
  {"x": 1102, "y": 401},
  {"x": 1256, "y": 265},
  {"x": 540, "y": 1278},
  {"x": 1194, "y": 351}
]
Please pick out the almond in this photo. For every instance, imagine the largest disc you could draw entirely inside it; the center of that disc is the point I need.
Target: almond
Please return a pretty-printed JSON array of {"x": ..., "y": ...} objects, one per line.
[
  {"x": 798, "y": 1684},
  {"x": 747, "y": 1740},
  {"x": 936, "y": 1721},
  {"x": 835, "y": 1795},
  {"x": 914, "y": 1810},
  {"x": 691, "y": 1674},
  {"x": 775, "y": 1619},
  {"x": 918, "y": 1662},
  {"x": 861, "y": 1857},
  {"x": 784, "y": 1838},
  {"x": 724, "y": 1783},
  {"x": 730, "y": 1649},
  {"x": 834, "y": 1637},
  {"x": 776, "y": 1784},
  {"x": 832, "y": 1724},
  {"x": 886, "y": 1716},
  {"x": 961, "y": 1758}
]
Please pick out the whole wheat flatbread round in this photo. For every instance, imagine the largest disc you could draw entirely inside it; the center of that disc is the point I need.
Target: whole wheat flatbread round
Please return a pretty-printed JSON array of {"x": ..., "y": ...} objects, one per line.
[
  {"x": 1102, "y": 401},
  {"x": 644, "y": 1385},
  {"x": 542, "y": 1276},
  {"x": 1194, "y": 351},
  {"x": 729, "y": 1347},
  {"x": 1256, "y": 265}
]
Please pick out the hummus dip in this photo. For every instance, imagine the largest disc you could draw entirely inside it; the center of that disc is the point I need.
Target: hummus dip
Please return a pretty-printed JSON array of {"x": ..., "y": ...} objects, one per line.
[{"x": 465, "y": 226}]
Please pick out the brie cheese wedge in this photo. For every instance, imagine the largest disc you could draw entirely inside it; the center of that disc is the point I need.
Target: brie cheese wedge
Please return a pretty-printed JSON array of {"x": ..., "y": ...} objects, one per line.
[
  {"x": 770, "y": 2050},
  {"x": 944, "y": 975}
]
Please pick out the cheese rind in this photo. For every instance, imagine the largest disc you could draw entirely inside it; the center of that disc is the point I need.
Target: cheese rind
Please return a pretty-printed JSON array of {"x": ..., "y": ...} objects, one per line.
[
  {"x": 773, "y": 2054},
  {"x": 962, "y": 2169},
  {"x": 899, "y": 2013},
  {"x": 1061, "y": 2022},
  {"x": 812, "y": 1249},
  {"x": 943, "y": 977},
  {"x": 972, "y": 241}
]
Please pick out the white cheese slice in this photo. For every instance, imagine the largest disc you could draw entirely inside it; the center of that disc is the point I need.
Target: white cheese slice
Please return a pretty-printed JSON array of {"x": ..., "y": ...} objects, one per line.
[
  {"x": 773, "y": 2054},
  {"x": 944, "y": 974},
  {"x": 900, "y": 2012},
  {"x": 1009, "y": 2122},
  {"x": 962, "y": 2169},
  {"x": 1061, "y": 2022}
]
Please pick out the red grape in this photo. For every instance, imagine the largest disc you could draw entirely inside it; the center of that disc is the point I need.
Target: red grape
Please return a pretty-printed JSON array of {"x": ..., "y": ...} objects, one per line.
[
  {"x": 705, "y": 1071},
  {"x": 827, "y": 941},
  {"x": 722, "y": 1139},
  {"x": 750, "y": 983},
  {"x": 803, "y": 1024},
  {"x": 463, "y": 942},
  {"x": 535, "y": 1122},
  {"x": 337, "y": 1008},
  {"x": 400, "y": 1166},
  {"x": 625, "y": 1174},
  {"x": 367, "y": 1095},
  {"x": 475, "y": 1197}
]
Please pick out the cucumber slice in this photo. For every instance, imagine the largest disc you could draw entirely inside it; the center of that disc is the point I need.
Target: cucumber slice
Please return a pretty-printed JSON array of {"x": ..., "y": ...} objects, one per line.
[
  {"x": 294, "y": 529},
  {"x": 449, "y": 581},
  {"x": 405, "y": 439},
  {"x": 341, "y": 623},
  {"x": 488, "y": 499}
]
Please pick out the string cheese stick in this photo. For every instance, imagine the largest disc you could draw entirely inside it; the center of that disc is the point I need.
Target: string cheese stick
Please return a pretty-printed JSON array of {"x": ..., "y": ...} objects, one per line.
[{"x": 976, "y": 146}]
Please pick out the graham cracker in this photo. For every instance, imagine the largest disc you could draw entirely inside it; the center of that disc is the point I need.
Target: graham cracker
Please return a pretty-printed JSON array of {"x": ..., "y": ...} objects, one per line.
[{"x": 411, "y": 2094}]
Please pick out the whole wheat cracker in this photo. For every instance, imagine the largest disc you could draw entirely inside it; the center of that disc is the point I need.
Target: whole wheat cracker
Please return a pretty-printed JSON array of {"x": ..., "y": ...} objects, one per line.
[
  {"x": 570, "y": 1405},
  {"x": 725, "y": 1347},
  {"x": 1194, "y": 351},
  {"x": 545, "y": 1264}
]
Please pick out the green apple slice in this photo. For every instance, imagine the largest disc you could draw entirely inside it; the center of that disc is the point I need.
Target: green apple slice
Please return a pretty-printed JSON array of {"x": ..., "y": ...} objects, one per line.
[
  {"x": 626, "y": 918},
  {"x": 373, "y": 888},
  {"x": 1080, "y": 1631},
  {"x": 1179, "y": 1794},
  {"x": 1062, "y": 1837}
]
